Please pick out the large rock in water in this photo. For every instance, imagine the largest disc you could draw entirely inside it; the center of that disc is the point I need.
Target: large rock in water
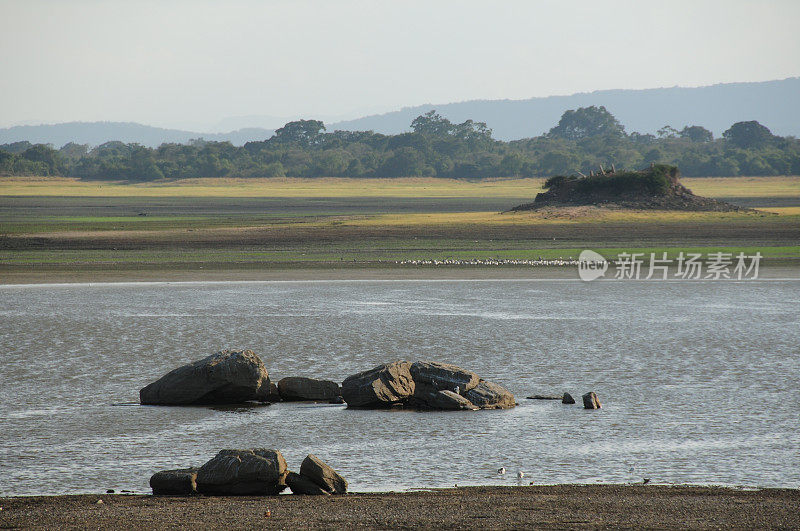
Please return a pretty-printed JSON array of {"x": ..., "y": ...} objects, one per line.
[
  {"x": 443, "y": 376},
  {"x": 253, "y": 472},
  {"x": 314, "y": 469},
  {"x": 298, "y": 388},
  {"x": 424, "y": 385},
  {"x": 382, "y": 386},
  {"x": 227, "y": 377},
  {"x": 181, "y": 482},
  {"x": 488, "y": 395}
]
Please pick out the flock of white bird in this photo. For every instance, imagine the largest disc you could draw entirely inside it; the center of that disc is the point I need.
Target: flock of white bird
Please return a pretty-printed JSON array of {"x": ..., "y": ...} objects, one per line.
[{"x": 491, "y": 262}]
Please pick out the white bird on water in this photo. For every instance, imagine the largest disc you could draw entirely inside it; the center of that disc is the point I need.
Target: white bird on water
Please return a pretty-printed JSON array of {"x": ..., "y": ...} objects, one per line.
[
  {"x": 501, "y": 470},
  {"x": 520, "y": 474}
]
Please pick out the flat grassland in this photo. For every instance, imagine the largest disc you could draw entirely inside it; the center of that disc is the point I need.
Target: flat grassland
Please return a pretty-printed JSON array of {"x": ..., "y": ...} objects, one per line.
[
  {"x": 52, "y": 225},
  {"x": 779, "y": 186}
]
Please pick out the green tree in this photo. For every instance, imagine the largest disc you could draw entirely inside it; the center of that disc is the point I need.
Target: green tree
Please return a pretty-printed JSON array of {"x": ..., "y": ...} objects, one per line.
[
  {"x": 432, "y": 124},
  {"x": 696, "y": 133},
  {"x": 587, "y": 122},
  {"x": 748, "y": 135},
  {"x": 667, "y": 132},
  {"x": 301, "y": 132}
]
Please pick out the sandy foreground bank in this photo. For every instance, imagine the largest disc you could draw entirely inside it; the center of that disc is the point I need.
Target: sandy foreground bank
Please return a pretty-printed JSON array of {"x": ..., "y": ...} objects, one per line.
[{"x": 559, "y": 506}]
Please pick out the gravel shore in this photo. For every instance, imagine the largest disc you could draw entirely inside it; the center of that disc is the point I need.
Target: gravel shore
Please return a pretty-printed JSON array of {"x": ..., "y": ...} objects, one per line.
[{"x": 557, "y": 506}]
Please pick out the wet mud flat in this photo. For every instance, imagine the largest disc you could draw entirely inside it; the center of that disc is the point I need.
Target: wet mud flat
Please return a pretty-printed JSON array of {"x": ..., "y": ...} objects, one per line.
[{"x": 555, "y": 506}]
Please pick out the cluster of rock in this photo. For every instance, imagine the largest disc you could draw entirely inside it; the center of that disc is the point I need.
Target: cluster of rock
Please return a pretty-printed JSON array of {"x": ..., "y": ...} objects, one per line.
[
  {"x": 423, "y": 385},
  {"x": 253, "y": 472},
  {"x": 590, "y": 400},
  {"x": 232, "y": 377},
  {"x": 239, "y": 376}
]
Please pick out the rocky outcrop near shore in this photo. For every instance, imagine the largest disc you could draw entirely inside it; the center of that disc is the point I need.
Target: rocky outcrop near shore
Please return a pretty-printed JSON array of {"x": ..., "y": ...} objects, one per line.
[
  {"x": 296, "y": 388},
  {"x": 323, "y": 475},
  {"x": 178, "y": 482},
  {"x": 253, "y": 472},
  {"x": 227, "y": 377},
  {"x": 423, "y": 385}
]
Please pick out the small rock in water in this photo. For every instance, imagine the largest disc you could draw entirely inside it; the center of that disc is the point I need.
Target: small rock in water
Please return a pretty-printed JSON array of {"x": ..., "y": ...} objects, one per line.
[
  {"x": 110, "y": 491},
  {"x": 590, "y": 401},
  {"x": 545, "y": 397},
  {"x": 567, "y": 399}
]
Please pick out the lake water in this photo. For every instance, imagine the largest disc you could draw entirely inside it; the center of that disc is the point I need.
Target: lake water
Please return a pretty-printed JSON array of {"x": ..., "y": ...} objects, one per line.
[{"x": 699, "y": 380}]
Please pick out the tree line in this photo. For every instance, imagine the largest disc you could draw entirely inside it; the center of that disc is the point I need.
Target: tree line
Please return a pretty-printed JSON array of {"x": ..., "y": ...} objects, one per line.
[{"x": 582, "y": 140}]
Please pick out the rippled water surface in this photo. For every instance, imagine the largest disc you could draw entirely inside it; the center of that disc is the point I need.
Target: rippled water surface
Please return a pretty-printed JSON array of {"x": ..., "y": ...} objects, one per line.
[{"x": 698, "y": 380}]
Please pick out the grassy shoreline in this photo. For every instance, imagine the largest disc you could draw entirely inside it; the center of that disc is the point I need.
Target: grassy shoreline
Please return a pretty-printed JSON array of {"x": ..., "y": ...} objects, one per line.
[
  {"x": 169, "y": 229},
  {"x": 553, "y": 506}
]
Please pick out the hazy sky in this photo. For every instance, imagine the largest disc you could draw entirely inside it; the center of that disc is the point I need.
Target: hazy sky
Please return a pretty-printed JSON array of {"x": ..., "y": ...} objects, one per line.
[{"x": 191, "y": 64}]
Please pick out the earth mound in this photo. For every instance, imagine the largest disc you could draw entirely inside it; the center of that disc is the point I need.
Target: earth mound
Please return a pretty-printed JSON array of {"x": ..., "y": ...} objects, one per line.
[{"x": 653, "y": 188}]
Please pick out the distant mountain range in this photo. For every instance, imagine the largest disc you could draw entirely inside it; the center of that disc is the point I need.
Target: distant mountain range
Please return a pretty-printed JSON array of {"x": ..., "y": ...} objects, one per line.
[
  {"x": 96, "y": 133},
  {"x": 775, "y": 104}
]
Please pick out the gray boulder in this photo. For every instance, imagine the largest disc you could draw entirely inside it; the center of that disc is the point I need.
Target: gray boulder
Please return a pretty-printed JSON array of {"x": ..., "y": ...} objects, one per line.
[
  {"x": 447, "y": 400},
  {"x": 298, "y": 388},
  {"x": 488, "y": 395},
  {"x": 322, "y": 475},
  {"x": 179, "y": 482},
  {"x": 590, "y": 401},
  {"x": 227, "y": 377},
  {"x": 567, "y": 399},
  {"x": 243, "y": 472},
  {"x": 383, "y": 386},
  {"x": 302, "y": 485},
  {"x": 424, "y": 385},
  {"x": 443, "y": 376}
]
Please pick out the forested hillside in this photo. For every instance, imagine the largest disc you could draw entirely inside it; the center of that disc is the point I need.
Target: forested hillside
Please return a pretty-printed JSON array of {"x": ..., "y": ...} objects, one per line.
[{"x": 582, "y": 140}]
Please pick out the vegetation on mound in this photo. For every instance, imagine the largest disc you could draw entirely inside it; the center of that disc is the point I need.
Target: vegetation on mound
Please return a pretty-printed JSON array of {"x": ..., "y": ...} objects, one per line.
[
  {"x": 656, "y": 180},
  {"x": 656, "y": 187}
]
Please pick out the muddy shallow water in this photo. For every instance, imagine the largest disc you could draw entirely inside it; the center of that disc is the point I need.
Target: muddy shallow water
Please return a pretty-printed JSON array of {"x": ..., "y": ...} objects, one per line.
[{"x": 698, "y": 380}]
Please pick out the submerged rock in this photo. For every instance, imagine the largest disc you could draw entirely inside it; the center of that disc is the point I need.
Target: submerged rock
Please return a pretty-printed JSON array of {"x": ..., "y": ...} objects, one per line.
[
  {"x": 180, "y": 482},
  {"x": 545, "y": 397},
  {"x": 302, "y": 485},
  {"x": 299, "y": 388},
  {"x": 227, "y": 377},
  {"x": 567, "y": 399},
  {"x": 243, "y": 472},
  {"x": 590, "y": 401},
  {"x": 321, "y": 474}
]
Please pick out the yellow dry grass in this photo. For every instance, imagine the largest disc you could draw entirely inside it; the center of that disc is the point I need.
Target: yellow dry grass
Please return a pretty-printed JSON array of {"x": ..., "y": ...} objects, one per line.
[
  {"x": 787, "y": 186},
  {"x": 551, "y": 216},
  {"x": 778, "y": 186},
  {"x": 274, "y": 187}
]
